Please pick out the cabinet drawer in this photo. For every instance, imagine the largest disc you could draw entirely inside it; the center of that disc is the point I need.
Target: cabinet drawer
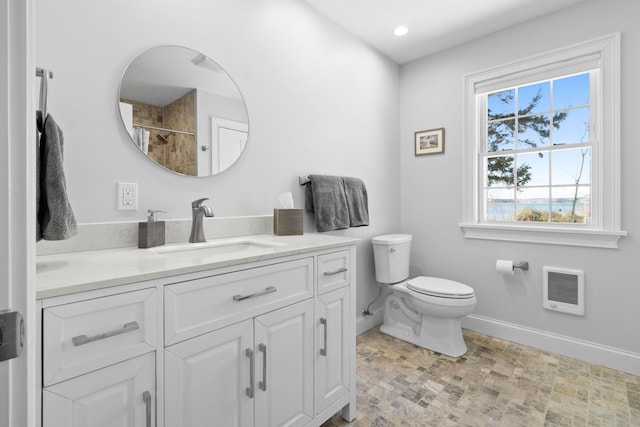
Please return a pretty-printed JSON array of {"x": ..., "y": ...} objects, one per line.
[
  {"x": 88, "y": 335},
  {"x": 123, "y": 394},
  {"x": 333, "y": 271},
  {"x": 199, "y": 306}
]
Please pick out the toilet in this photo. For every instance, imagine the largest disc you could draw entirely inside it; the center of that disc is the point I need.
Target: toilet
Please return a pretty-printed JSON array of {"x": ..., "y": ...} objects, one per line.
[{"x": 426, "y": 311}]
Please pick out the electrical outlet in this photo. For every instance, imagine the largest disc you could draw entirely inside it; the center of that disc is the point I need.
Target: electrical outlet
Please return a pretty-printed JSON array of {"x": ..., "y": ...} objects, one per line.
[{"x": 127, "y": 196}]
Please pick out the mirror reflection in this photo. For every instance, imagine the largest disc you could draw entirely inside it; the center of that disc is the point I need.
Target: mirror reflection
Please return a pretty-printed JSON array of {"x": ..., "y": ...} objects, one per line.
[{"x": 183, "y": 111}]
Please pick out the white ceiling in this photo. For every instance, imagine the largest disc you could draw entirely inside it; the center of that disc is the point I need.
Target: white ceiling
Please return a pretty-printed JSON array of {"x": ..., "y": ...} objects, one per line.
[{"x": 433, "y": 25}]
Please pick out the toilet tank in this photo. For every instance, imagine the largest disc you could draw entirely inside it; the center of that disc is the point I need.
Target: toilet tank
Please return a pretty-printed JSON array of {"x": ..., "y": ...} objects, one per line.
[{"x": 391, "y": 254}]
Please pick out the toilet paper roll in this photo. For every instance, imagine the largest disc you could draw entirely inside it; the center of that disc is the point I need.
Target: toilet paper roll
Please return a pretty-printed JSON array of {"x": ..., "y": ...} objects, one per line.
[{"x": 505, "y": 266}]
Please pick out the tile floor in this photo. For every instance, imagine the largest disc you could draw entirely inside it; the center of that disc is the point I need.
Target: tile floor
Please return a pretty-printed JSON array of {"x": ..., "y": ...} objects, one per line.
[{"x": 496, "y": 383}]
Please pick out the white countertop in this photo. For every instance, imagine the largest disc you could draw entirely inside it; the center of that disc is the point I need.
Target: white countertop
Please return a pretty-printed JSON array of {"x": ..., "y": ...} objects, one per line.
[{"x": 68, "y": 273}]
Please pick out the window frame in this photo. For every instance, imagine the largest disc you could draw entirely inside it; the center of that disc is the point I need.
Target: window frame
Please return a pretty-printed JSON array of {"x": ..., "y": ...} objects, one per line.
[
  {"x": 601, "y": 54},
  {"x": 484, "y": 154}
]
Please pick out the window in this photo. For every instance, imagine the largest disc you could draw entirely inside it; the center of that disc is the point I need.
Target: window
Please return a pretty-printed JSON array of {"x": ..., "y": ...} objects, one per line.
[
  {"x": 537, "y": 152},
  {"x": 542, "y": 148}
]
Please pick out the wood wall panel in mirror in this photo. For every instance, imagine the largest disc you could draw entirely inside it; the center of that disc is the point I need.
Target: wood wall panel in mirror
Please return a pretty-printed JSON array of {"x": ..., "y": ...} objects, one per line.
[{"x": 183, "y": 111}]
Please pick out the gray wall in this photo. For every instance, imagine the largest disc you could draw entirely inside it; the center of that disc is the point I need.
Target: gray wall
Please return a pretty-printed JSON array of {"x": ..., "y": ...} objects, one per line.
[
  {"x": 319, "y": 101},
  {"x": 431, "y": 186}
]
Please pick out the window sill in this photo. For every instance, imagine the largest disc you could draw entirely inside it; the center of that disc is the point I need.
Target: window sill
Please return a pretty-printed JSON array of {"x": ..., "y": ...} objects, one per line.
[{"x": 546, "y": 235}]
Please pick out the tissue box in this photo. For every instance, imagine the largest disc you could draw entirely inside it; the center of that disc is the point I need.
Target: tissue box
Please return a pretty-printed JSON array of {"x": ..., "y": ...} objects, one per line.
[{"x": 287, "y": 222}]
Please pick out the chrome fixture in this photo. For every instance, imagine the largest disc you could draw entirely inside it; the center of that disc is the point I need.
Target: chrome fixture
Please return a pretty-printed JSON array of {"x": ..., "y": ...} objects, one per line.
[
  {"x": 523, "y": 265},
  {"x": 163, "y": 139},
  {"x": 171, "y": 131},
  {"x": 198, "y": 212}
]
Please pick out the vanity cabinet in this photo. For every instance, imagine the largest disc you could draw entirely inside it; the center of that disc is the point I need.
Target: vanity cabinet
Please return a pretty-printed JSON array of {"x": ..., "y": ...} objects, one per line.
[
  {"x": 259, "y": 369},
  {"x": 262, "y": 344},
  {"x": 120, "y": 395},
  {"x": 98, "y": 365},
  {"x": 332, "y": 312}
]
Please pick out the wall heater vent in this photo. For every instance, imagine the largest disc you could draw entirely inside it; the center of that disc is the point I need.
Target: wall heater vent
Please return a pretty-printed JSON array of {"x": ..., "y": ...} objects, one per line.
[{"x": 563, "y": 290}]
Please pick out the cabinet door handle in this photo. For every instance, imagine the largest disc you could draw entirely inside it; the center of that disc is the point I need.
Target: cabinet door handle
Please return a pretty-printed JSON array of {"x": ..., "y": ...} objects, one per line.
[
  {"x": 268, "y": 290},
  {"x": 334, "y": 272},
  {"x": 83, "y": 339},
  {"x": 249, "y": 354},
  {"x": 146, "y": 397},
  {"x": 263, "y": 384},
  {"x": 323, "y": 351}
]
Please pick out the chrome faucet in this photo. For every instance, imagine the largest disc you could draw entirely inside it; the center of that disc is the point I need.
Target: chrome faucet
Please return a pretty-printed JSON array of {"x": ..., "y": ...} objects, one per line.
[{"x": 198, "y": 212}]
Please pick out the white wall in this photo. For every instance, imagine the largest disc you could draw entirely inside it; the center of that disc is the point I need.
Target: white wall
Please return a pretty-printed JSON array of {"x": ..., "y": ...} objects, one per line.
[
  {"x": 431, "y": 186},
  {"x": 319, "y": 101}
]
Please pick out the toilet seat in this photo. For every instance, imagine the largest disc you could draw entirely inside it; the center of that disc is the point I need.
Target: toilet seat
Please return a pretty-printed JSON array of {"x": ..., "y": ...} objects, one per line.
[{"x": 440, "y": 288}]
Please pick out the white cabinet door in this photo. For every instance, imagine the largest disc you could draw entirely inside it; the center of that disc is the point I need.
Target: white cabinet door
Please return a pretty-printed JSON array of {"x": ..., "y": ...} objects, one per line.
[
  {"x": 332, "y": 347},
  {"x": 207, "y": 377},
  {"x": 121, "y": 395},
  {"x": 284, "y": 366}
]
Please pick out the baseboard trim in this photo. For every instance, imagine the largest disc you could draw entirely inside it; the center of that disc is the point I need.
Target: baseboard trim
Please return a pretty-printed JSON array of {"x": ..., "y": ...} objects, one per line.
[
  {"x": 610, "y": 357},
  {"x": 364, "y": 323}
]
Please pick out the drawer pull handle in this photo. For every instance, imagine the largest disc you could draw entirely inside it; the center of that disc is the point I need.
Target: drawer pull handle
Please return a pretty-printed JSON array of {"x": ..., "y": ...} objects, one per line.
[
  {"x": 268, "y": 290},
  {"x": 249, "y": 354},
  {"x": 263, "y": 384},
  {"x": 323, "y": 351},
  {"x": 146, "y": 397},
  {"x": 334, "y": 272},
  {"x": 83, "y": 339}
]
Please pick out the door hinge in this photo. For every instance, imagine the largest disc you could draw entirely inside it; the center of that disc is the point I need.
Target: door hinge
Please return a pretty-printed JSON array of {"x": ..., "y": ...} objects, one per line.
[{"x": 11, "y": 335}]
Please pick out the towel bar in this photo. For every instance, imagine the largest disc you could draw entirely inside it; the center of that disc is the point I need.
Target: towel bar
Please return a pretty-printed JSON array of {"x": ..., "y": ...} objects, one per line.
[
  {"x": 40, "y": 72},
  {"x": 302, "y": 180}
]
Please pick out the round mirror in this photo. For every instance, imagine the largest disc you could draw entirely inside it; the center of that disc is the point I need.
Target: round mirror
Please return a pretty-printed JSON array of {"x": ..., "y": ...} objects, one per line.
[{"x": 183, "y": 111}]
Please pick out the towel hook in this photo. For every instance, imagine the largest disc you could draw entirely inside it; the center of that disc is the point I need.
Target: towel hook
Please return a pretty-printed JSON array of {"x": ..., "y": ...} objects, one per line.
[{"x": 44, "y": 90}]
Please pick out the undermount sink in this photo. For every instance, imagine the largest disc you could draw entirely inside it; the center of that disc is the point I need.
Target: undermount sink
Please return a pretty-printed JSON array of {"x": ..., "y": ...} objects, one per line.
[{"x": 219, "y": 247}]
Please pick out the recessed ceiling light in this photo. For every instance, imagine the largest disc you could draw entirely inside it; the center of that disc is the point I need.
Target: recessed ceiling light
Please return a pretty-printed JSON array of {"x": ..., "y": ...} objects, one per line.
[{"x": 401, "y": 31}]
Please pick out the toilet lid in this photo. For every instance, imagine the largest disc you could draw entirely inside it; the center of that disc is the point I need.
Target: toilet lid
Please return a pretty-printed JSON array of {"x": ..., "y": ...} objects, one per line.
[{"x": 437, "y": 287}]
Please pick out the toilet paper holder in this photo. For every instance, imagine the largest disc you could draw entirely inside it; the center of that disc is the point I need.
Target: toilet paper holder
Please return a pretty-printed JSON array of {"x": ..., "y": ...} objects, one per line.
[{"x": 522, "y": 265}]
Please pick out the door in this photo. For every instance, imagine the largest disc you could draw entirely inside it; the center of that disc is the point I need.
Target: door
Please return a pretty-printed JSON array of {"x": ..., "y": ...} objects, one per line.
[
  {"x": 332, "y": 347},
  {"x": 207, "y": 379},
  {"x": 120, "y": 395},
  {"x": 284, "y": 366},
  {"x": 228, "y": 139},
  {"x": 17, "y": 213}
]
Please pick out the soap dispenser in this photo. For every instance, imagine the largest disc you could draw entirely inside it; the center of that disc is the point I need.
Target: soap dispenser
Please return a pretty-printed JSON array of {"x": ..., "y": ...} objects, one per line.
[{"x": 151, "y": 233}]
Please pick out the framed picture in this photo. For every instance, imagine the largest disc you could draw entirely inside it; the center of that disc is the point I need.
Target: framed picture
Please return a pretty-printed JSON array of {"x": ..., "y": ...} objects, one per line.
[{"x": 429, "y": 141}]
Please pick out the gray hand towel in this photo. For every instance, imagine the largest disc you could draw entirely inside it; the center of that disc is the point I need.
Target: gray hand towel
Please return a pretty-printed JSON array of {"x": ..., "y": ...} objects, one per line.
[
  {"x": 357, "y": 201},
  {"x": 56, "y": 220},
  {"x": 324, "y": 196},
  {"x": 38, "y": 226}
]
